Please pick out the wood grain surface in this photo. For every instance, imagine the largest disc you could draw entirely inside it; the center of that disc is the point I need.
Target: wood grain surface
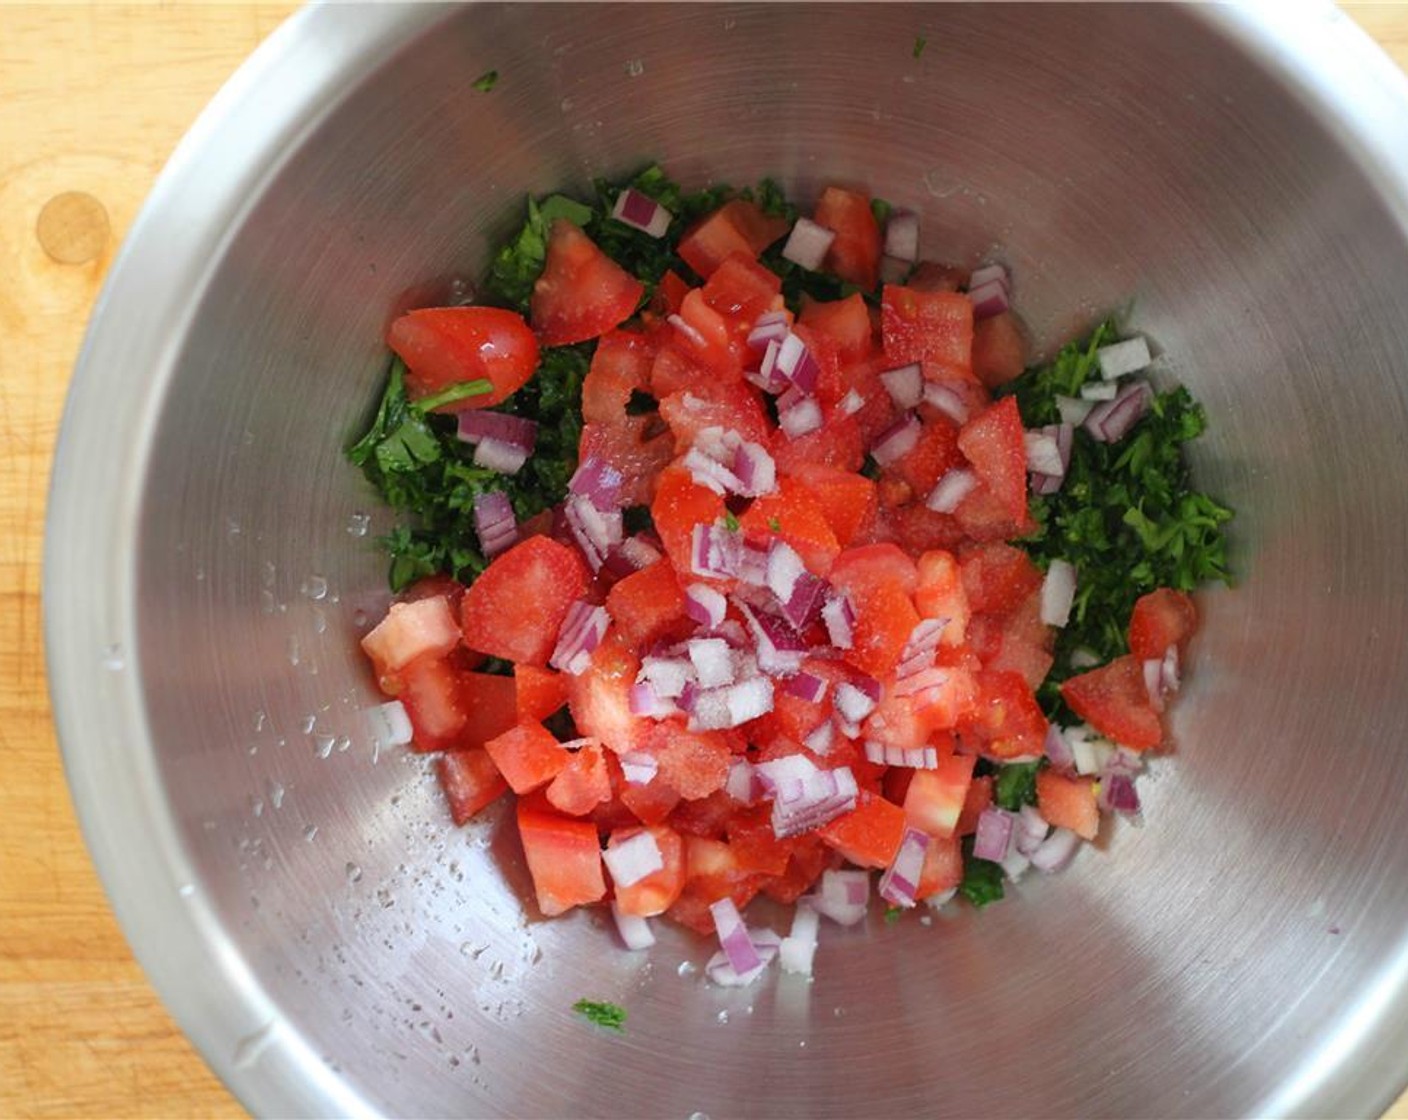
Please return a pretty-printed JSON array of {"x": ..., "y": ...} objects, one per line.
[{"x": 93, "y": 98}]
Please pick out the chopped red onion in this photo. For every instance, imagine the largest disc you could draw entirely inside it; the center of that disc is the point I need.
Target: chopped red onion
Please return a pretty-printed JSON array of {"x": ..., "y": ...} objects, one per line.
[
  {"x": 711, "y": 473},
  {"x": 988, "y": 300},
  {"x": 1046, "y": 484},
  {"x": 1014, "y": 864},
  {"x": 634, "y": 930},
  {"x": 1058, "y": 593},
  {"x": 704, "y": 605},
  {"x": 639, "y": 768},
  {"x": 766, "y": 377},
  {"x": 798, "y": 948},
  {"x": 987, "y": 274},
  {"x": 637, "y": 552},
  {"x": 801, "y": 417},
  {"x": 1121, "y": 358},
  {"x": 994, "y": 834},
  {"x": 1168, "y": 669},
  {"x": 948, "y": 494},
  {"x": 582, "y": 631},
  {"x": 840, "y": 619},
  {"x": 1124, "y": 761},
  {"x": 1111, "y": 421},
  {"x": 779, "y": 648},
  {"x": 905, "y": 384},
  {"x": 844, "y": 896},
  {"x": 1031, "y": 830},
  {"x": 716, "y": 709},
  {"x": 917, "y": 758},
  {"x": 1089, "y": 751},
  {"x": 478, "y": 424},
  {"x": 802, "y": 608},
  {"x": 1056, "y": 851},
  {"x": 851, "y": 403},
  {"x": 743, "y": 785},
  {"x": 948, "y": 400},
  {"x": 900, "y": 882},
  {"x": 926, "y": 686},
  {"x": 1117, "y": 793},
  {"x": 668, "y": 675},
  {"x": 896, "y": 441},
  {"x": 715, "y": 551},
  {"x": 641, "y": 212},
  {"x": 796, "y": 364},
  {"x": 808, "y": 244},
  {"x": 784, "y": 569},
  {"x": 853, "y": 704},
  {"x": 789, "y": 767},
  {"x": 597, "y": 481},
  {"x": 712, "y": 660},
  {"x": 721, "y": 972},
  {"x": 845, "y": 727},
  {"x": 733, "y": 937},
  {"x": 1073, "y": 410},
  {"x": 1154, "y": 682},
  {"x": 494, "y": 455},
  {"x": 924, "y": 638},
  {"x": 633, "y": 859},
  {"x": 902, "y": 236},
  {"x": 1043, "y": 453},
  {"x": 1094, "y": 391},
  {"x": 753, "y": 566},
  {"x": 494, "y": 523},
  {"x": 1057, "y": 749},
  {"x": 819, "y": 739},
  {"x": 803, "y": 804},
  {"x": 687, "y": 331},
  {"x": 596, "y": 532},
  {"x": 807, "y": 686},
  {"x": 875, "y": 752},
  {"x": 755, "y": 469},
  {"x": 772, "y": 326},
  {"x": 645, "y": 701}
]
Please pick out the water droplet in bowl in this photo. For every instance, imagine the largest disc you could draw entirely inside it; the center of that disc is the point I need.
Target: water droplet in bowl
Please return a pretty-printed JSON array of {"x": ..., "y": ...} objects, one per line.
[
  {"x": 359, "y": 523},
  {"x": 354, "y": 873},
  {"x": 113, "y": 658},
  {"x": 635, "y": 68},
  {"x": 315, "y": 587}
]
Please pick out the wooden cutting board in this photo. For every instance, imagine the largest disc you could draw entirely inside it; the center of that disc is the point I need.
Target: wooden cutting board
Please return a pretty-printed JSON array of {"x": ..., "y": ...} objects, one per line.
[{"x": 92, "y": 100}]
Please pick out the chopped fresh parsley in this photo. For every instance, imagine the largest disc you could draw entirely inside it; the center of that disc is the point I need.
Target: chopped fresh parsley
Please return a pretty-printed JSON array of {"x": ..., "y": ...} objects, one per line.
[
  {"x": 919, "y": 44},
  {"x": 608, "y": 1015},
  {"x": 774, "y": 524},
  {"x": 892, "y": 915},
  {"x": 486, "y": 81},
  {"x": 1127, "y": 515},
  {"x": 982, "y": 879},
  {"x": 1015, "y": 785},
  {"x": 730, "y": 521}
]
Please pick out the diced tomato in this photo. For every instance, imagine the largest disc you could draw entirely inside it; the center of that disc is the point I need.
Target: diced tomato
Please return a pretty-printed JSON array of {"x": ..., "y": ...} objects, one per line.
[
  {"x": 993, "y": 442},
  {"x": 619, "y": 367},
  {"x": 809, "y": 858},
  {"x": 879, "y": 580},
  {"x": 658, "y": 891},
  {"x": 999, "y": 349},
  {"x": 750, "y": 835},
  {"x": 430, "y": 691},
  {"x": 978, "y": 799},
  {"x": 735, "y": 227},
  {"x": 693, "y": 762},
  {"x": 515, "y": 608},
  {"x": 582, "y": 293},
  {"x": 868, "y": 835},
  {"x": 433, "y": 586},
  {"x": 855, "y": 254},
  {"x": 846, "y": 500},
  {"x": 669, "y": 294},
  {"x": 943, "y": 867},
  {"x": 845, "y": 322},
  {"x": 940, "y": 594},
  {"x": 538, "y": 692},
  {"x": 930, "y": 459},
  {"x": 794, "y": 718},
  {"x": 1161, "y": 619},
  {"x": 877, "y": 411},
  {"x": 931, "y": 327},
  {"x": 934, "y": 800},
  {"x": 714, "y": 403},
  {"x": 582, "y": 784},
  {"x": 705, "y": 817},
  {"x": 1068, "y": 802},
  {"x": 740, "y": 290},
  {"x": 918, "y": 529},
  {"x": 470, "y": 781},
  {"x": 680, "y": 504},
  {"x": 931, "y": 276},
  {"x": 1024, "y": 643},
  {"x": 639, "y": 447},
  {"x": 528, "y": 756},
  {"x": 674, "y": 370},
  {"x": 998, "y": 578},
  {"x": 444, "y": 346},
  {"x": 712, "y": 872},
  {"x": 652, "y": 802},
  {"x": 599, "y": 698},
  {"x": 564, "y": 858},
  {"x": 648, "y": 606},
  {"x": 1114, "y": 700},
  {"x": 983, "y": 516},
  {"x": 800, "y": 522},
  {"x": 420, "y": 628},
  {"x": 709, "y": 341},
  {"x": 837, "y": 443},
  {"x": 1006, "y": 720},
  {"x": 490, "y": 706}
]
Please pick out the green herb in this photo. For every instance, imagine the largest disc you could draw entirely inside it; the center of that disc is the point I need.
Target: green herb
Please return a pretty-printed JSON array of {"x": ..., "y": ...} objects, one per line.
[
  {"x": 1015, "y": 785},
  {"x": 982, "y": 879},
  {"x": 486, "y": 81},
  {"x": 1127, "y": 515},
  {"x": 730, "y": 522},
  {"x": 519, "y": 262},
  {"x": 463, "y": 391},
  {"x": 774, "y": 524},
  {"x": 892, "y": 915},
  {"x": 608, "y": 1015},
  {"x": 880, "y": 210},
  {"x": 919, "y": 44}
]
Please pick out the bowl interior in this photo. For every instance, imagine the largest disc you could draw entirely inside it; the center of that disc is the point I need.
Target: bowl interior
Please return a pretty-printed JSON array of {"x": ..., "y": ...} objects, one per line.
[{"x": 356, "y": 952}]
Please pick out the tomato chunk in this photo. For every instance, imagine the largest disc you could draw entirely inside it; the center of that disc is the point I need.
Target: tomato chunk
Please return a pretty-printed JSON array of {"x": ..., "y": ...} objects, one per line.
[
  {"x": 658, "y": 891},
  {"x": 855, "y": 254},
  {"x": 564, "y": 858},
  {"x": 431, "y": 693},
  {"x": 680, "y": 504},
  {"x": 470, "y": 781},
  {"x": 515, "y": 608},
  {"x": 879, "y": 580},
  {"x": 943, "y": 867},
  {"x": 993, "y": 442},
  {"x": 1114, "y": 700},
  {"x": 1068, "y": 802},
  {"x": 845, "y": 322},
  {"x": 1007, "y": 721},
  {"x": 735, "y": 227},
  {"x": 528, "y": 756},
  {"x": 648, "y": 606},
  {"x": 799, "y": 521},
  {"x": 1161, "y": 619},
  {"x": 490, "y": 706},
  {"x": 934, "y": 800},
  {"x": 538, "y": 692},
  {"x": 870, "y": 834},
  {"x": 582, "y": 784},
  {"x": 931, "y": 327},
  {"x": 999, "y": 350},
  {"x": 444, "y": 346},
  {"x": 582, "y": 293},
  {"x": 846, "y": 500},
  {"x": 410, "y": 630}
]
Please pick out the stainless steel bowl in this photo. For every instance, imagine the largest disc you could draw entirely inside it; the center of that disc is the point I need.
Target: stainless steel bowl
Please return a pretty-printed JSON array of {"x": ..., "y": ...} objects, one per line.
[{"x": 335, "y": 947}]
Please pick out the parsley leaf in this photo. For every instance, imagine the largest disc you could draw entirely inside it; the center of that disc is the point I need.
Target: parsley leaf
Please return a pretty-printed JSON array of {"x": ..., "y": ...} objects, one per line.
[
  {"x": 609, "y": 1015},
  {"x": 892, "y": 915},
  {"x": 1015, "y": 785},
  {"x": 730, "y": 521},
  {"x": 982, "y": 879},
  {"x": 919, "y": 44},
  {"x": 486, "y": 81},
  {"x": 520, "y": 261}
]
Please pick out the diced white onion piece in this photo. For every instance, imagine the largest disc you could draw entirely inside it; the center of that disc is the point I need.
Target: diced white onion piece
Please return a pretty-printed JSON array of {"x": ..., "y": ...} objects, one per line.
[
  {"x": 1058, "y": 593},
  {"x": 988, "y": 274},
  {"x": 851, "y": 403},
  {"x": 808, "y": 244},
  {"x": 948, "y": 400},
  {"x": 840, "y": 620},
  {"x": 1073, "y": 410},
  {"x": 1056, "y": 851},
  {"x": 743, "y": 784},
  {"x": 644, "y": 700},
  {"x": 633, "y": 859},
  {"x": 1043, "y": 453},
  {"x": 988, "y": 300},
  {"x": 712, "y": 661},
  {"x": 853, "y": 704},
  {"x": 784, "y": 569},
  {"x": 900, "y": 882},
  {"x": 893, "y": 270},
  {"x": 635, "y": 931},
  {"x": 897, "y": 441},
  {"x": 704, "y": 605},
  {"x": 1099, "y": 391},
  {"x": 802, "y": 417},
  {"x": 799, "y": 946},
  {"x": 1088, "y": 754},
  {"x": 641, "y": 212},
  {"x": 819, "y": 739},
  {"x": 905, "y": 384},
  {"x": 1121, "y": 358},
  {"x": 390, "y": 725},
  {"x": 639, "y": 768},
  {"x": 668, "y": 675},
  {"x": 956, "y": 484},
  {"x": 902, "y": 236},
  {"x": 733, "y": 705}
]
